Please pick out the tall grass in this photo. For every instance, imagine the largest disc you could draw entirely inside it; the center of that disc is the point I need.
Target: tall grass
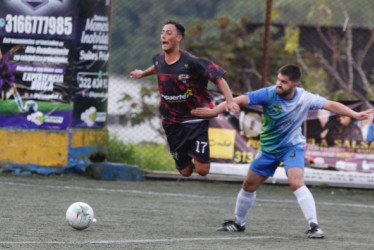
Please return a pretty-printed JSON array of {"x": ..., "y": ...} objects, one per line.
[{"x": 146, "y": 156}]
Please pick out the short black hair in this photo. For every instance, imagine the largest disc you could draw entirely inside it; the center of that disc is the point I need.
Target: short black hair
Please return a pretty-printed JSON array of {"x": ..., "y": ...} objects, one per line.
[
  {"x": 179, "y": 26},
  {"x": 292, "y": 71}
]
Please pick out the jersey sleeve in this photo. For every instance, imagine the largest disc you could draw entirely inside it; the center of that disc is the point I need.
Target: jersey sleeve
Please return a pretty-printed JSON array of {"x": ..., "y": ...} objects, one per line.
[
  {"x": 317, "y": 101},
  {"x": 258, "y": 97},
  {"x": 209, "y": 70}
]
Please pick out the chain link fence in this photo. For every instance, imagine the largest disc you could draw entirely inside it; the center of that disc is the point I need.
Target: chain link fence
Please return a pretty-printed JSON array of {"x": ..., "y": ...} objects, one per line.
[{"x": 331, "y": 40}]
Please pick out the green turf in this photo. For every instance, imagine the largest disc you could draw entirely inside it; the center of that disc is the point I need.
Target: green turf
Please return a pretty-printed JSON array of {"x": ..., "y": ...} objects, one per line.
[{"x": 174, "y": 214}]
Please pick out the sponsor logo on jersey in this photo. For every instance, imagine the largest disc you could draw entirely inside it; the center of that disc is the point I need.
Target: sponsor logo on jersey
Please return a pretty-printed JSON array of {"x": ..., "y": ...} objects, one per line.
[
  {"x": 277, "y": 108},
  {"x": 183, "y": 78},
  {"x": 178, "y": 98}
]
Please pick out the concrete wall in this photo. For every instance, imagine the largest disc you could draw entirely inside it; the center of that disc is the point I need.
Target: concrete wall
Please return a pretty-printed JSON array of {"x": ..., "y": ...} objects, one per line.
[{"x": 50, "y": 150}]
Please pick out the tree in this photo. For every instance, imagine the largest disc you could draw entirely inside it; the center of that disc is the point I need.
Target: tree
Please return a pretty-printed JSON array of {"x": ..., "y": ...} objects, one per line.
[{"x": 345, "y": 66}]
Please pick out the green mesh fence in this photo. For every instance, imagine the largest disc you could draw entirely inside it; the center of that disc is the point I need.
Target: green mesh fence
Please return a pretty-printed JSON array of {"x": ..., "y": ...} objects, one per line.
[{"x": 331, "y": 40}]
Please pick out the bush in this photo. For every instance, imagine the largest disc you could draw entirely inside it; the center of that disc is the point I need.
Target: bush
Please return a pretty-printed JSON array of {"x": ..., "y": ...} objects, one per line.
[{"x": 146, "y": 156}]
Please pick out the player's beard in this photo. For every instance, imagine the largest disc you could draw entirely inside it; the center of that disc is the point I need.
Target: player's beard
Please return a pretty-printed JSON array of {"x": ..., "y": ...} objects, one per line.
[{"x": 283, "y": 92}]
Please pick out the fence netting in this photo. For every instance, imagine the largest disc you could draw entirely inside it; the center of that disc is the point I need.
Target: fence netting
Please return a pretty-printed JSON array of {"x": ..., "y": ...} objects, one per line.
[{"x": 331, "y": 40}]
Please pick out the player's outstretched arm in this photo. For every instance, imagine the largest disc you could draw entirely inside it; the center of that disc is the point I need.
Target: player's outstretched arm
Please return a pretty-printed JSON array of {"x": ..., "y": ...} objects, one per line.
[
  {"x": 341, "y": 109},
  {"x": 230, "y": 104},
  {"x": 241, "y": 100},
  {"x": 137, "y": 73}
]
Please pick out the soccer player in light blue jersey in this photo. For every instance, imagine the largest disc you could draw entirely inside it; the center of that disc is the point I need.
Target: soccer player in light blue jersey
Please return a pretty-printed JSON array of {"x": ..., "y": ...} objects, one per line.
[{"x": 285, "y": 107}]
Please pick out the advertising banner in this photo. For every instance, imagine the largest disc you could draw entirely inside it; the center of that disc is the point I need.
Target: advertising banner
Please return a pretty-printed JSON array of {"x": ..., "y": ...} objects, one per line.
[
  {"x": 340, "y": 143},
  {"x": 90, "y": 76},
  {"x": 36, "y": 42},
  {"x": 53, "y": 63},
  {"x": 335, "y": 144}
]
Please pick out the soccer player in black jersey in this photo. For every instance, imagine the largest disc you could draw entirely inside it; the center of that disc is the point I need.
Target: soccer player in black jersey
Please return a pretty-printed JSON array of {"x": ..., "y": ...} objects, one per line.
[{"x": 183, "y": 80}]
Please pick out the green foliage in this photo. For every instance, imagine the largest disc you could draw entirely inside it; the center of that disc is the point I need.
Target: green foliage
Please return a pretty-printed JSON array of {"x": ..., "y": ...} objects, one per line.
[
  {"x": 120, "y": 152},
  {"x": 136, "y": 25},
  {"x": 326, "y": 12},
  {"x": 238, "y": 49},
  {"x": 312, "y": 81},
  {"x": 154, "y": 157},
  {"x": 229, "y": 44},
  {"x": 292, "y": 39},
  {"x": 146, "y": 156}
]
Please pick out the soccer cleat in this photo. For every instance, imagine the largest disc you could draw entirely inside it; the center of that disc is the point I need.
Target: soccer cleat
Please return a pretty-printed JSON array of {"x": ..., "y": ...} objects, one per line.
[
  {"x": 232, "y": 226},
  {"x": 315, "y": 232}
]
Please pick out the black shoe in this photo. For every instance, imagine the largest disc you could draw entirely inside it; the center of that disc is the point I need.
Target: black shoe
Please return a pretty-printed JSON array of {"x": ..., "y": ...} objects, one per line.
[
  {"x": 232, "y": 226},
  {"x": 315, "y": 232}
]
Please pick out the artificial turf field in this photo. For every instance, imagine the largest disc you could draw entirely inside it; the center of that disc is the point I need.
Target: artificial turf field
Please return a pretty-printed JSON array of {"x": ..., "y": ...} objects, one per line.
[{"x": 172, "y": 214}]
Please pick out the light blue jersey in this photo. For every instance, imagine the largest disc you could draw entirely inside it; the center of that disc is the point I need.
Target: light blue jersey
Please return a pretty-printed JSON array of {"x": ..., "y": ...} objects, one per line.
[{"x": 283, "y": 117}]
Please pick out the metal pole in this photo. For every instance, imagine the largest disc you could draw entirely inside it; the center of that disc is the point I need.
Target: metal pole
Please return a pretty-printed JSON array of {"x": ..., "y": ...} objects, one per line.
[{"x": 266, "y": 43}]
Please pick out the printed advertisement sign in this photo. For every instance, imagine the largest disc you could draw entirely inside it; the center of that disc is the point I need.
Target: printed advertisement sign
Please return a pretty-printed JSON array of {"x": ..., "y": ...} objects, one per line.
[
  {"x": 90, "y": 76},
  {"x": 53, "y": 63},
  {"x": 36, "y": 42},
  {"x": 340, "y": 143}
]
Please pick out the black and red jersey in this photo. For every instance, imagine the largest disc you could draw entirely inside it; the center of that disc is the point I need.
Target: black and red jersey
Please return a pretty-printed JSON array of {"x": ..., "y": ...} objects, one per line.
[{"x": 183, "y": 85}]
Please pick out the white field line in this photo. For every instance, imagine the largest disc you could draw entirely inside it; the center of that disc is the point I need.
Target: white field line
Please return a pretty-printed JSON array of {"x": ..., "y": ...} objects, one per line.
[
  {"x": 177, "y": 194},
  {"x": 144, "y": 240},
  {"x": 124, "y": 242}
]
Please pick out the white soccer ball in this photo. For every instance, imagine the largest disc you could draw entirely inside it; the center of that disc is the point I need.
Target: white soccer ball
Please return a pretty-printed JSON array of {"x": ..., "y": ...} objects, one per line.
[{"x": 80, "y": 215}]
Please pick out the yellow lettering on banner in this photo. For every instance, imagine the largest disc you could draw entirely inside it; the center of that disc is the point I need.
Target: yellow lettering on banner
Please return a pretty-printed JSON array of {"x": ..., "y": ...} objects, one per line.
[
  {"x": 222, "y": 143},
  {"x": 364, "y": 144}
]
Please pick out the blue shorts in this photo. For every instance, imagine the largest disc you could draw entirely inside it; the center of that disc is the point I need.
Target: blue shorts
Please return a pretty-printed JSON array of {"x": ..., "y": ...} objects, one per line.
[{"x": 265, "y": 164}]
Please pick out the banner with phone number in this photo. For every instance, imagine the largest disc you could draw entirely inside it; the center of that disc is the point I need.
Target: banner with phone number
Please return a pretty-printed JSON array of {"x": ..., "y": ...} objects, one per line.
[
  {"x": 53, "y": 63},
  {"x": 333, "y": 142}
]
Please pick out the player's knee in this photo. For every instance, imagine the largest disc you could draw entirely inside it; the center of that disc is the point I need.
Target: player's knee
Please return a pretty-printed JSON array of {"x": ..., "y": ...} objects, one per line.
[
  {"x": 202, "y": 168},
  {"x": 187, "y": 170},
  {"x": 203, "y": 172},
  {"x": 248, "y": 187},
  {"x": 296, "y": 185}
]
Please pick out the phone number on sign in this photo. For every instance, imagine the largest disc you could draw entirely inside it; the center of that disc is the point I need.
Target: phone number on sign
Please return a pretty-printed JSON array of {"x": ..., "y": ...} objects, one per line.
[
  {"x": 243, "y": 157},
  {"x": 46, "y": 25}
]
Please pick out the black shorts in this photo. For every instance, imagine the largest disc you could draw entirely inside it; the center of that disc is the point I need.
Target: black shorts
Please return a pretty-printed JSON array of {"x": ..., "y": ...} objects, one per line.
[{"x": 187, "y": 141}]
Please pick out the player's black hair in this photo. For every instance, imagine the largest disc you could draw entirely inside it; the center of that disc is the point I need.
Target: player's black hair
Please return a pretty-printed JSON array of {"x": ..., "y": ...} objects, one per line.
[
  {"x": 179, "y": 26},
  {"x": 292, "y": 71}
]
